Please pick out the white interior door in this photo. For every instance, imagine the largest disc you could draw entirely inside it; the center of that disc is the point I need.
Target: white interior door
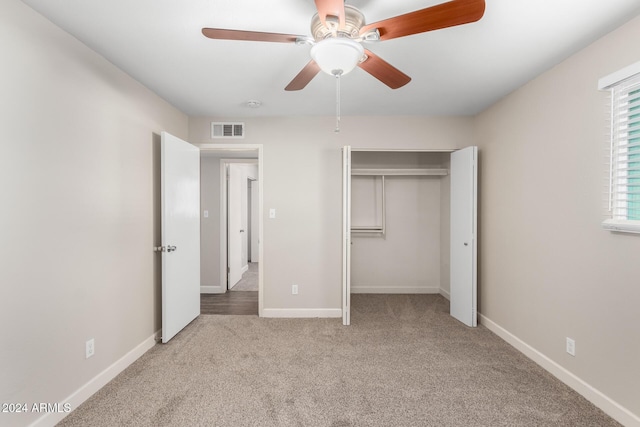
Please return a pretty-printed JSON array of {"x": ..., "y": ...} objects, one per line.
[
  {"x": 244, "y": 221},
  {"x": 346, "y": 235},
  {"x": 464, "y": 199},
  {"x": 180, "y": 213},
  {"x": 235, "y": 230}
]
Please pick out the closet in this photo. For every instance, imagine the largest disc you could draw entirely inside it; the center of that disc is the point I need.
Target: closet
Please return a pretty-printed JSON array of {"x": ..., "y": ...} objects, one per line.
[{"x": 409, "y": 221}]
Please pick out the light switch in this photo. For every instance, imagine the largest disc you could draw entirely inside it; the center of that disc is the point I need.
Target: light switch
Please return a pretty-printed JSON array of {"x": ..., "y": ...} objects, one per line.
[
  {"x": 206, "y": 214},
  {"x": 272, "y": 213}
]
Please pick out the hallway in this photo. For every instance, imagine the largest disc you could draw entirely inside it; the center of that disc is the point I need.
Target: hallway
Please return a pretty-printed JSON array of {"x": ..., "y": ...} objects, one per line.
[{"x": 241, "y": 299}]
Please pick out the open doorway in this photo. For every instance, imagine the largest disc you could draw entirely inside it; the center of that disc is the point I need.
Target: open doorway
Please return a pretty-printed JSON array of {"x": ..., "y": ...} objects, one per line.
[{"x": 230, "y": 241}]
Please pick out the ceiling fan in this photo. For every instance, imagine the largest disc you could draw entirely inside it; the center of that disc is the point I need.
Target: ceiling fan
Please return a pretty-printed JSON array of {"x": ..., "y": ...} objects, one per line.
[{"x": 338, "y": 31}]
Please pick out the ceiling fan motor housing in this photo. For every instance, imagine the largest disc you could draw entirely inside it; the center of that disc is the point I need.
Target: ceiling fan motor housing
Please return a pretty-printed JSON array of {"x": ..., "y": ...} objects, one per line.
[{"x": 354, "y": 20}]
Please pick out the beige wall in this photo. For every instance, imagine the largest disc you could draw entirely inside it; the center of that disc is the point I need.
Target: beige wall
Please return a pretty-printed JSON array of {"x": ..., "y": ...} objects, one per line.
[
  {"x": 302, "y": 181},
  {"x": 210, "y": 227},
  {"x": 406, "y": 259},
  {"x": 445, "y": 230},
  {"x": 548, "y": 270},
  {"x": 77, "y": 221}
]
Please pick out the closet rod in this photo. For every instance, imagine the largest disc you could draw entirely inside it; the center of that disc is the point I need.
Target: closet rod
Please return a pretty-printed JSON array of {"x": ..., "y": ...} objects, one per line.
[{"x": 400, "y": 172}]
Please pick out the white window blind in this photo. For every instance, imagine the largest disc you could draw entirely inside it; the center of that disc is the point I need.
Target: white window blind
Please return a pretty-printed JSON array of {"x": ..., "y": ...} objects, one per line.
[{"x": 624, "y": 167}]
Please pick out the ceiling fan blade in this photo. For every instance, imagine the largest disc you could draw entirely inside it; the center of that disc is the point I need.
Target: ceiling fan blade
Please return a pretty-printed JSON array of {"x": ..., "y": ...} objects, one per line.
[
  {"x": 328, "y": 8},
  {"x": 304, "y": 77},
  {"x": 221, "y": 34},
  {"x": 383, "y": 71},
  {"x": 450, "y": 14}
]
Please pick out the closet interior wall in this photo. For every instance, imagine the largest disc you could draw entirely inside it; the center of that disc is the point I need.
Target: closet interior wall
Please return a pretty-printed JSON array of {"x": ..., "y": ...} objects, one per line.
[{"x": 412, "y": 255}]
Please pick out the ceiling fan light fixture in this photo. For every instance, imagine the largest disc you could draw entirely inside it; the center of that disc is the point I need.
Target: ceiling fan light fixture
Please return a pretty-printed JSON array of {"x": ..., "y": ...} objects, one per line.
[{"x": 337, "y": 55}]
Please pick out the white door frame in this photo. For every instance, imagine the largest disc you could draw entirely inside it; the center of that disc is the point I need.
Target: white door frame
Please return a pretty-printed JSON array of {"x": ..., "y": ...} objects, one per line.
[
  {"x": 346, "y": 235},
  {"x": 230, "y": 149}
]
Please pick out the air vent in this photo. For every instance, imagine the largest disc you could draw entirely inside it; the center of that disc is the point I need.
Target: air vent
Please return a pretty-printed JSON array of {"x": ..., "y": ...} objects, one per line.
[{"x": 227, "y": 130}]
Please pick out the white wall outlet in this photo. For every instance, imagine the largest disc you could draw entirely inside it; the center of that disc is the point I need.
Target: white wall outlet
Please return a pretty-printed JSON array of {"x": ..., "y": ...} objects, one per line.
[
  {"x": 571, "y": 346},
  {"x": 294, "y": 289},
  {"x": 272, "y": 213},
  {"x": 90, "y": 348},
  {"x": 206, "y": 214}
]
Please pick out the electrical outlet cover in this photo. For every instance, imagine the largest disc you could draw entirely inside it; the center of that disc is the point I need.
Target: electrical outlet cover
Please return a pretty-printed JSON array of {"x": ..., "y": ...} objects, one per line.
[
  {"x": 90, "y": 348},
  {"x": 571, "y": 346}
]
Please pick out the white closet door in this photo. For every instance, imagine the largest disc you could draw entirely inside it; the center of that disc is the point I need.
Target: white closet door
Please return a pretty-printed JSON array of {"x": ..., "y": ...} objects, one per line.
[
  {"x": 346, "y": 235},
  {"x": 464, "y": 190},
  {"x": 180, "y": 224}
]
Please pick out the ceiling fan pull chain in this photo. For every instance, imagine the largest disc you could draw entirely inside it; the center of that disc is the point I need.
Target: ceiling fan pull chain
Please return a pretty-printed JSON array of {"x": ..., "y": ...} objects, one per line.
[{"x": 337, "y": 73}]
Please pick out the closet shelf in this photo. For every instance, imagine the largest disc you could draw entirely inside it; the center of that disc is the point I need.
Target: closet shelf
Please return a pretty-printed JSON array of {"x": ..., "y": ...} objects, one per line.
[
  {"x": 399, "y": 172},
  {"x": 367, "y": 229}
]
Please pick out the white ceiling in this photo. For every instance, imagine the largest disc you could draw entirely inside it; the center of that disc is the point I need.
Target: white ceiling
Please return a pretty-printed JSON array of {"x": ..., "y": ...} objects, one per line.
[{"x": 455, "y": 71}]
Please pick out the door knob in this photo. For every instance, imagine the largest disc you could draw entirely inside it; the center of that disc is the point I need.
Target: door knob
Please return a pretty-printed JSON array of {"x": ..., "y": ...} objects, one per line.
[
  {"x": 466, "y": 244},
  {"x": 242, "y": 231}
]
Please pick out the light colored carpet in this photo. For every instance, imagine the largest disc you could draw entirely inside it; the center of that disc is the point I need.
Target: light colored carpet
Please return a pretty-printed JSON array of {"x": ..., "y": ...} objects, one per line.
[
  {"x": 249, "y": 280},
  {"x": 403, "y": 362}
]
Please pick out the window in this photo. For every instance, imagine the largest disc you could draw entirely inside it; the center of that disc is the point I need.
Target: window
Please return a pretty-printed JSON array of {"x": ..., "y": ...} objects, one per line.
[{"x": 624, "y": 166}]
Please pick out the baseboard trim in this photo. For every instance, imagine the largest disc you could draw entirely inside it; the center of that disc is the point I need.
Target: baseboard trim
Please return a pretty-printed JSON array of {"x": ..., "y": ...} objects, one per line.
[
  {"x": 393, "y": 290},
  {"x": 245, "y": 269},
  {"x": 445, "y": 294},
  {"x": 301, "y": 312},
  {"x": 96, "y": 383},
  {"x": 212, "y": 290},
  {"x": 595, "y": 396}
]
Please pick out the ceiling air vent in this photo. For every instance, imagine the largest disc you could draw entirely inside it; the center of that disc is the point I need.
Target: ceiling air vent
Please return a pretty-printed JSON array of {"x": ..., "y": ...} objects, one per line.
[{"x": 227, "y": 130}]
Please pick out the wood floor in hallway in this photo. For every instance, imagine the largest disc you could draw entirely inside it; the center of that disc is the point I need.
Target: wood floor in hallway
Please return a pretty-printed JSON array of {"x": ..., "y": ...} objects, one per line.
[{"x": 243, "y": 302}]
